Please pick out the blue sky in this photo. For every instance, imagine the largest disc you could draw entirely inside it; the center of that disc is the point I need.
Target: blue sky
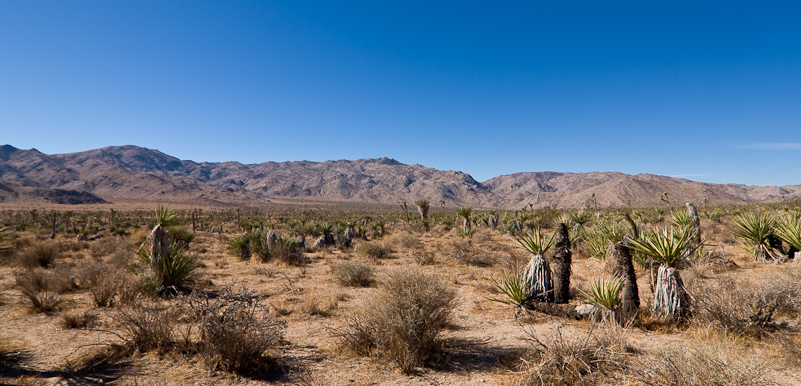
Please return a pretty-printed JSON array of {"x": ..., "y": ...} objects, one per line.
[{"x": 709, "y": 91}]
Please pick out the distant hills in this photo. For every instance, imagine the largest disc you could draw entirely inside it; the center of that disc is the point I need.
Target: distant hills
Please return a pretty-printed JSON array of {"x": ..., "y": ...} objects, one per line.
[{"x": 136, "y": 174}]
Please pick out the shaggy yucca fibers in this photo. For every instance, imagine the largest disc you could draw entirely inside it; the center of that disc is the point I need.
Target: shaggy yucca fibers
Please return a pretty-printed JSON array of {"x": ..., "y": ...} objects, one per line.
[{"x": 668, "y": 248}]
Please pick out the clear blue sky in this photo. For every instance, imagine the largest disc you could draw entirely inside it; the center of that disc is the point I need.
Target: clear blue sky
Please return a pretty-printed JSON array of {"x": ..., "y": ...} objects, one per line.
[{"x": 709, "y": 91}]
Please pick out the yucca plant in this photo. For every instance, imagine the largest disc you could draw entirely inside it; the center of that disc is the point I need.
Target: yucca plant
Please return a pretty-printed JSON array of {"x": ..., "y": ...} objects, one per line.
[
  {"x": 512, "y": 286},
  {"x": 5, "y": 240},
  {"x": 681, "y": 220},
  {"x": 422, "y": 207},
  {"x": 465, "y": 212},
  {"x": 536, "y": 277},
  {"x": 580, "y": 218},
  {"x": 159, "y": 237},
  {"x": 668, "y": 248},
  {"x": 599, "y": 238},
  {"x": 788, "y": 228},
  {"x": 756, "y": 230},
  {"x": 175, "y": 271},
  {"x": 605, "y": 296}
]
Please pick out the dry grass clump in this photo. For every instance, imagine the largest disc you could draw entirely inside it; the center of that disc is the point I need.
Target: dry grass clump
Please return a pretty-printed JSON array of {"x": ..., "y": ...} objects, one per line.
[
  {"x": 463, "y": 251},
  {"x": 404, "y": 241},
  {"x": 588, "y": 359},
  {"x": 743, "y": 308},
  {"x": 148, "y": 327},
  {"x": 75, "y": 319},
  {"x": 404, "y": 320},
  {"x": 235, "y": 331},
  {"x": 40, "y": 254},
  {"x": 374, "y": 250},
  {"x": 716, "y": 362},
  {"x": 41, "y": 287},
  {"x": 353, "y": 273}
]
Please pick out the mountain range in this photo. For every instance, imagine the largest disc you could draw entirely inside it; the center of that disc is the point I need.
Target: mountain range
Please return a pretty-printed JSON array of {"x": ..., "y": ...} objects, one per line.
[{"x": 137, "y": 174}]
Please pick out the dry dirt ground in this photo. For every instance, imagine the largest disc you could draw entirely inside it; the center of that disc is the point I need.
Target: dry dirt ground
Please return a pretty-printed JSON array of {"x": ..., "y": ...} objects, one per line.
[{"x": 486, "y": 344}]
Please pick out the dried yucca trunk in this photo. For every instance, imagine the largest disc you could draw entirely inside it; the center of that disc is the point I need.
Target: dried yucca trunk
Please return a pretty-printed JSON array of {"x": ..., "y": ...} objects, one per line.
[
  {"x": 670, "y": 299},
  {"x": 537, "y": 282}
]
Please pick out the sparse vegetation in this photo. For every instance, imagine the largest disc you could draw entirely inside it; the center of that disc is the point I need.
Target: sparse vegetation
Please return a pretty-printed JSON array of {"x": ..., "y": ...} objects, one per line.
[
  {"x": 353, "y": 273},
  {"x": 404, "y": 321}
]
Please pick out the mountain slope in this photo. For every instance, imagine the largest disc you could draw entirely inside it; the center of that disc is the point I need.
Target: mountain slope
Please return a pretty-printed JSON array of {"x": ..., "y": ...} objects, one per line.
[{"x": 132, "y": 173}]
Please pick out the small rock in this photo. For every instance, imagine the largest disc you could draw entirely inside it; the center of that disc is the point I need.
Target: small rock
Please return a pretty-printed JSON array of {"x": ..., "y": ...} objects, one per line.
[{"x": 585, "y": 310}]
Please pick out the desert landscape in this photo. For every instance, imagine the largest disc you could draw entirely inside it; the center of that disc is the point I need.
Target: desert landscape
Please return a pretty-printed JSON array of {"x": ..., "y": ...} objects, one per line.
[
  {"x": 151, "y": 274},
  {"x": 354, "y": 193}
]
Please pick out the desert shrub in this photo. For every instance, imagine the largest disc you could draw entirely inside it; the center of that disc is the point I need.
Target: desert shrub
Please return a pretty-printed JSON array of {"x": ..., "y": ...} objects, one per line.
[
  {"x": 41, "y": 288},
  {"x": 148, "y": 327},
  {"x": 104, "y": 283},
  {"x": 353, "y": 273},
  {"x": 75, "y": 319},
  {"x": 236, "y": 331},
  {"x": 40, "y": 254},
  {"x": 744, "y": 308},
  {"x": 374, "y": 250},
  {"x": 755, "y": 230},
  {"x": 287, "y": 251},
  {"x": 404, "y": 320},
  {"x": 703, "y": 363},
  {"x": 103, "y": 247},
  {"x": 465, "y": 233},
  {"x": 463, "y": 251},
  {"x": 589, "y": 359},
  {"x": 404, "y": 241}
]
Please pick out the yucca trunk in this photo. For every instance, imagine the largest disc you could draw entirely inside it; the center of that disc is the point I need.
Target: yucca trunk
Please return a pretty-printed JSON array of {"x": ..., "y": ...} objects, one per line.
[
  {"x": 271, "y": 238},
  {"x": 159, "y": 246},
  {"x": 670, "y": 299},
  {"x": 696, "y": 225},
  {"x": 619, "y": 259},
  {"x": 561, "y": 265},
  {"x": 537, "y": 282},
  {"x": 493, "y": 221},
  {"x": 466, "y": 224},
  {"x": 423, "y": 210}
]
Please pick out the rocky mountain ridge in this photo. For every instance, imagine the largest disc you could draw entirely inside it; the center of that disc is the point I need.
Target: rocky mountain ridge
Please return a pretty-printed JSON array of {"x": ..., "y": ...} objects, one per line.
[{"x": 137, "y": 174}]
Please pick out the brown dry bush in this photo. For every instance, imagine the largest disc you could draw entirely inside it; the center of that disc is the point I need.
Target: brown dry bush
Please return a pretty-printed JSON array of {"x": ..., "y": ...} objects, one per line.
[
  {"x": 742, "y": 308},
  {"x": 148, "y": 327},
  {"x": 40, "y": 254},
  {"x": 374, "y": 250},
  {"x": 41, "y": 288},
  {"x": 465, "y": 252},
  {"x": 74, "y": 319},
  {"x": 404, "y": 320},
  {"x": 353, "y": 273},
  {"x": 718, "y": 362},
  {"x": 404, "y": 241},
  {"x": 236, "y": 331},
  {"x": 588, "y": 359}
]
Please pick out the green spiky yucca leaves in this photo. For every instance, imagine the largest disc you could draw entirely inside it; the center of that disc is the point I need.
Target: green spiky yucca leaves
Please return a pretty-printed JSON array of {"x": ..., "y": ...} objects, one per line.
[
  {"x": 681, "y": 220},
  {"x": 755, "y": 229},
  {"x": 464, "y": 212},
  {"x": 668, "y": 247},
  {"x": 511, "y": 286},
  {"x": 788, "y": 228},
  {"x": 165, "y": 217},
  {"x": 598, "y": 239},
  {"x": 176, "y": 270},
  {"x": 5, "y": 239},
  {"x": 535, "y": 244},
  {"x": 605, "y": 292}
]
